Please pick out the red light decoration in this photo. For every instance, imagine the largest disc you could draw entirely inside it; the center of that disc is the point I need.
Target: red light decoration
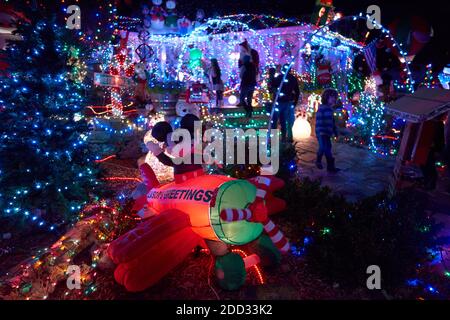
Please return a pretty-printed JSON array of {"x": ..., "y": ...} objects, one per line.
[
  {"x": 119, "y": 67},
  {"x": 385, "y": 137},
  {"x": 108, "y": 110},
  {"x": 243, "y": 254},
  {"x": 105, "y": 159},
  {"x": 122, "y": 179}
]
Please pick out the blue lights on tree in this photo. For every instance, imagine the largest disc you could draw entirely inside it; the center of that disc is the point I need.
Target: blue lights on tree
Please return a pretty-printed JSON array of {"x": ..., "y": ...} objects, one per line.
[{"x": 46, "y": 174}]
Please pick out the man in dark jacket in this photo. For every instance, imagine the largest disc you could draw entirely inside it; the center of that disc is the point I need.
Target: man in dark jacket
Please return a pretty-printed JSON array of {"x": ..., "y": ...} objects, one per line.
[
  {"x": 285, "y": 104},
  {"x": 248, "y": 84}
]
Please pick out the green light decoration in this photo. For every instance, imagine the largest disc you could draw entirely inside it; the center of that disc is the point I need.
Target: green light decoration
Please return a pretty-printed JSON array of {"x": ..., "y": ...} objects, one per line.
[
  {"x": 26, "y": 288},
  {"x": 369, "y": 124},
  {"x": 195, "y": 57},
  {"x": 355, "y": 83}
]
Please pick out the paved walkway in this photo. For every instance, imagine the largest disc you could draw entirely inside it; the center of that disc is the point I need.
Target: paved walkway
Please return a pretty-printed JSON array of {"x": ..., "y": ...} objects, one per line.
[{"x": 363, "y": 174}]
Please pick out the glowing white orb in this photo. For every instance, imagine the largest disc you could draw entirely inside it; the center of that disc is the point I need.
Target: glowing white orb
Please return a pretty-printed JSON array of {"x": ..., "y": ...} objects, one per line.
[
  {"x": 301, "y": 129},
  {"x": 338, "y": 16},
  {"x": 232, "y": 100},
  {"x": 77, "y": 117},
  {"x": 234, "y": 55}
]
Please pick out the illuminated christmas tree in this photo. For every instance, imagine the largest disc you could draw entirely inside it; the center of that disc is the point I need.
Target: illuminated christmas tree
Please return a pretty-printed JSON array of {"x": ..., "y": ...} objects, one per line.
[
  {"x": 368, "y": 116},
  {"x": 46, "y": 173},
  {"x": 429, "y": 81}
]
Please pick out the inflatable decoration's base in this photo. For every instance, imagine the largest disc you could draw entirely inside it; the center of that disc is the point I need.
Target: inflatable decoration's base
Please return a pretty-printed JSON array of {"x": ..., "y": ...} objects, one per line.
[{"x": 230, "y": 271}]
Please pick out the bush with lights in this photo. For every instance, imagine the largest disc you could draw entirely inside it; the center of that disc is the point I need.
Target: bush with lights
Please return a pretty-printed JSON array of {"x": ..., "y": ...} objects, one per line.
[
  {"x": 341, "y": 239},
  {"x": 46, "y": 173}
]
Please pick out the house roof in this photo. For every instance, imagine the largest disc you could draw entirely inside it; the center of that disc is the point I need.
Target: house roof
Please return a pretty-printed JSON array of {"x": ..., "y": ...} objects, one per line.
[{"x": 422, "y": 105}]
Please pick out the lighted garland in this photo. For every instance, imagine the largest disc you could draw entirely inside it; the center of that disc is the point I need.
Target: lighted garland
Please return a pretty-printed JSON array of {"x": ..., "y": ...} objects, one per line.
[
  {"x": 99, "y": 223},
  {"x": 212, "y": 28},
  {"x": 268, "y": 21},
  {"x": 217, "y": 28}
]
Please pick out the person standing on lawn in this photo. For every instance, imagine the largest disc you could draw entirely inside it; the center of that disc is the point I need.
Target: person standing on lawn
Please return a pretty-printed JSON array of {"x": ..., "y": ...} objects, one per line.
[
  {"x": 248, "y": 84},
  {"x": 286, "y": 102},
  {"x": 215, "y": 75},
  {"x": 325, "y": 128}
]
